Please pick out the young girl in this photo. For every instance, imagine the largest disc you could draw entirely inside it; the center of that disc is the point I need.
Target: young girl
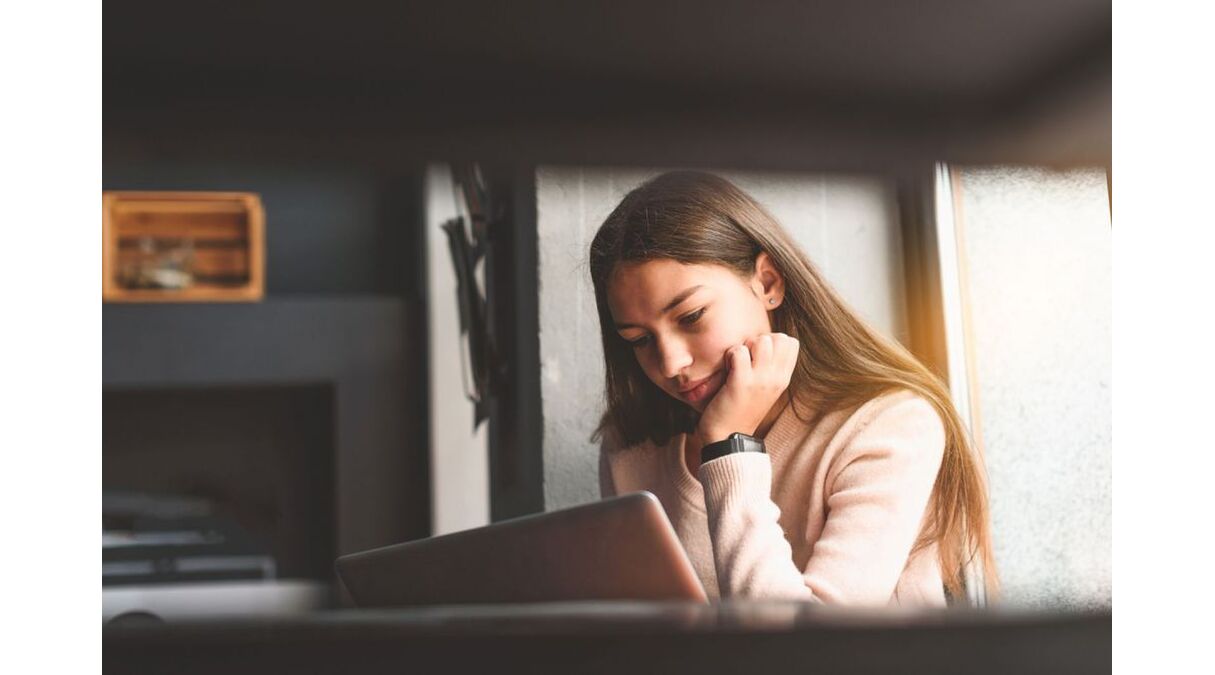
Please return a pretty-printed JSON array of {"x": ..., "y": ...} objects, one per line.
[{"x": 797, "y": 452}]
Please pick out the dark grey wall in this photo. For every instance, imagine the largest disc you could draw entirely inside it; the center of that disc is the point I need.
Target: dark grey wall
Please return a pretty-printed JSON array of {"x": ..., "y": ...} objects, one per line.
[{"x": 332, "y": 226}]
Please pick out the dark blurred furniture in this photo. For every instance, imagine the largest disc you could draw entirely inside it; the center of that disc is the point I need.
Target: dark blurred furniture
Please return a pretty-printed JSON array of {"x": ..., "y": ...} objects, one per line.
[
  {"x": 358, "y": 349},
  {"x": 621, "y": 638},
  {"x": 857, "y": 85}
]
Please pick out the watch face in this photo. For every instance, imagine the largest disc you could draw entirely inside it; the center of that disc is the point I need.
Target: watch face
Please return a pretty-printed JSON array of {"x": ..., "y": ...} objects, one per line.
[
  {"x": 734, "y": 443},
  {"x": 745, "y": 443}
]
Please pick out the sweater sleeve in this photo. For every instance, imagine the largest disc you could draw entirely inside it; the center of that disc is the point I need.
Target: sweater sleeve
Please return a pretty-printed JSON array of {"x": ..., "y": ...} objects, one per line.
[{"x": 877, "y": 490}]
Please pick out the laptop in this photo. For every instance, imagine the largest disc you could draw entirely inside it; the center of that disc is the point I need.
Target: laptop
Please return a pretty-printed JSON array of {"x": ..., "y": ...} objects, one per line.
[{"x": 622, "y": 548}]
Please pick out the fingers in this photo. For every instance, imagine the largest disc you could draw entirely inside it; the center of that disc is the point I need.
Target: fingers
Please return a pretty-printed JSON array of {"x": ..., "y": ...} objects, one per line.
[
  {"x": 761, "y": 352},
  {"x": 740, "y": 363},
  {"x": 774, "y": 354},
  {"x": 787, "y": 349},
  {"x": 759, "y": 371},
  {"x": 770, "y": 353}
]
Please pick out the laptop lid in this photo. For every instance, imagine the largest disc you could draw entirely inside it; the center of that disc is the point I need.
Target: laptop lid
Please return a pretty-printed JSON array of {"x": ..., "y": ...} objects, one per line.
[{"x": 622, "y": 548}]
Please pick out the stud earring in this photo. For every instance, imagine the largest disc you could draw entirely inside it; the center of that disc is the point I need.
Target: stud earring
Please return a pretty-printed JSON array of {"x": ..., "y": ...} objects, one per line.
[{"x": 771, "y": 301}]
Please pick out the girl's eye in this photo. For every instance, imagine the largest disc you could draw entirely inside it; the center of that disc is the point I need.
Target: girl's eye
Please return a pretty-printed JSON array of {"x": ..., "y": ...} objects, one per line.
[
  {"x": 639, "y": 342},
  {"x": 693, "y": 317}
]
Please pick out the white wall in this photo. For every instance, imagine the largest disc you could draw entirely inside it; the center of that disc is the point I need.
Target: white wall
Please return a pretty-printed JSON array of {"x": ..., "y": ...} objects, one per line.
[
  {"x": 459, "y": 458},
  {"x": 1037, "y": 251},
  {"x": 847, "y": 225}
]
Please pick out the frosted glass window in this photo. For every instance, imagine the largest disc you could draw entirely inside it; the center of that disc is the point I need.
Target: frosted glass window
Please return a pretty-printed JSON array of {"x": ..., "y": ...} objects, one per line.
[{"x": 1035, "y": 264}]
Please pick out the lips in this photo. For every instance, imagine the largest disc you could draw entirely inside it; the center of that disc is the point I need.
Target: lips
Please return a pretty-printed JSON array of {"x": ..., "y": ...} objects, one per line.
[{"x": 700, "y": 389}]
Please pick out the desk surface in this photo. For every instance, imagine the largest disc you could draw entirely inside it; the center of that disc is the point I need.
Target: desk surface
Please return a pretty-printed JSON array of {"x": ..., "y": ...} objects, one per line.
[{"x": 621, "y": 637}]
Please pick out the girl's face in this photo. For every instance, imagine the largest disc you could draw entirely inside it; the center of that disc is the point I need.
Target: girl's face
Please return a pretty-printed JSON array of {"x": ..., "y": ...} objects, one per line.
[{"x": 681, "y": 319}]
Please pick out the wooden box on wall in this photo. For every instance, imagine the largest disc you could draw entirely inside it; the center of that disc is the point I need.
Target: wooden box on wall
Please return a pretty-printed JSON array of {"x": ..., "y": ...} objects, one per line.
[{"x": 182, "y": 247}]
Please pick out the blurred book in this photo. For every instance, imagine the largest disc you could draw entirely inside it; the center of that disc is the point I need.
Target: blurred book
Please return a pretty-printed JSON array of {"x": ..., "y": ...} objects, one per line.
[{"x": 151, "y": 539}]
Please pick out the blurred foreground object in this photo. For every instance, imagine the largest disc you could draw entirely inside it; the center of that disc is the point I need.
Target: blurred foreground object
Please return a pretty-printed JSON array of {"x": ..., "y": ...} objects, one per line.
[
  {"x": 856, "y": 85},
  {"x": 622, "y": 637}
]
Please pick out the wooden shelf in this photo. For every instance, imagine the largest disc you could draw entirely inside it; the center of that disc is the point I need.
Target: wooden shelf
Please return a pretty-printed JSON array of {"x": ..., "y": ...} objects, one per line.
[{"x": 213, "y": 242}]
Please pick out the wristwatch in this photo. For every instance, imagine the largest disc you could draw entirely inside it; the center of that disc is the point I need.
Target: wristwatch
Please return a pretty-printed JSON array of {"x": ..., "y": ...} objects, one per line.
[{"x": 735, "y": 442}]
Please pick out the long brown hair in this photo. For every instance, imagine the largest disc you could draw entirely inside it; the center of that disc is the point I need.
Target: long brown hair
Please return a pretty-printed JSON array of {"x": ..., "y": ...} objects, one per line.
[{"x": 694, "y": 217}]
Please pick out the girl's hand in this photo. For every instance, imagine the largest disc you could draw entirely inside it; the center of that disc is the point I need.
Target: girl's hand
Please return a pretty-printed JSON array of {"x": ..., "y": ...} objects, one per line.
[{"x": 758, "y": 373}]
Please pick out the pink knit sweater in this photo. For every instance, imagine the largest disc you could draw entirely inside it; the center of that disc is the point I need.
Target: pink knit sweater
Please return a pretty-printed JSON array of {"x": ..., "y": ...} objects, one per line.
[{"x": 830, "y": 514}]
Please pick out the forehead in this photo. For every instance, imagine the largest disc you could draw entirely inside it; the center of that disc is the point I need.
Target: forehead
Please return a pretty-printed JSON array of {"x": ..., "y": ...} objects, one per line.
[{"x": 640, "y": 290}]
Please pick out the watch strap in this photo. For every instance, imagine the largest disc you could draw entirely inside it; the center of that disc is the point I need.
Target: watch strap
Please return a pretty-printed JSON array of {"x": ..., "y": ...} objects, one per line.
[{"x": 734, "y": 443}]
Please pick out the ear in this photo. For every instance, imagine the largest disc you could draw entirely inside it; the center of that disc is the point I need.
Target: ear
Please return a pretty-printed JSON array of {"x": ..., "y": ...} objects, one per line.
[{"x": 767, "y": 282}]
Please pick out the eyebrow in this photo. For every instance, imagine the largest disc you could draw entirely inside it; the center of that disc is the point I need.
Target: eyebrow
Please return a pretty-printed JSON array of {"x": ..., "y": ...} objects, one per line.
[{"x": 683, "y": 295}]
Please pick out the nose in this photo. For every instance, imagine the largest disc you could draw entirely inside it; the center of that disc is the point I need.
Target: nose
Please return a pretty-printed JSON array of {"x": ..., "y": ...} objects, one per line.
[{"x": 673, "y": 357}]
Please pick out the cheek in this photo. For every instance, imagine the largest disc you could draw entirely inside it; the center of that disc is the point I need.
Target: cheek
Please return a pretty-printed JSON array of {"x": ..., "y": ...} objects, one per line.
[
  {"x": 712, "y": 348},
  {"x": 648, "y": 360},
  {"x": 709, "y": 347},
  {"x": 752, "y": 323},
  {"x": 649, "y": 365}
]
